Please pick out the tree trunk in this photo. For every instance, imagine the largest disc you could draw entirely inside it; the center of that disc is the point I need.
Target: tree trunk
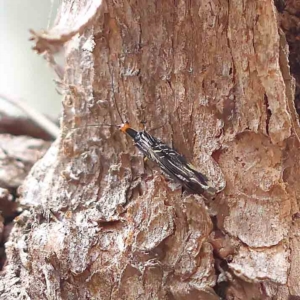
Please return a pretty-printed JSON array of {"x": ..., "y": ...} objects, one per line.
[{"x": 210, "y": 78}]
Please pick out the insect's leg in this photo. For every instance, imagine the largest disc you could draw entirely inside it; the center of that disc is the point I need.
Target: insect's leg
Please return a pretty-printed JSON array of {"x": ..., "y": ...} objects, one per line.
[
  {"x": 143, "y": 123},
  {"x": 158, "y": 127},
  {"x": 147, "y": 167},
  {"x": 144, "y": 127}
]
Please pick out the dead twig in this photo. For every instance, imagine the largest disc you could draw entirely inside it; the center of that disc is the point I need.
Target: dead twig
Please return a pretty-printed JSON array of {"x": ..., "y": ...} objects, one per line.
[{"x": 34, "y": 115}]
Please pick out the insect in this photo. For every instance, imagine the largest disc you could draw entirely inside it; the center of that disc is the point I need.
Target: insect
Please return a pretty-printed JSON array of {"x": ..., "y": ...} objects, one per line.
[{"x": 169, "y": 160}]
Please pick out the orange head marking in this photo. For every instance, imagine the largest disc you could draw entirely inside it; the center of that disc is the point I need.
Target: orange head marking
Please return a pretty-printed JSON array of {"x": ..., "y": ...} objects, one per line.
[{"x": 124, "y": 127}]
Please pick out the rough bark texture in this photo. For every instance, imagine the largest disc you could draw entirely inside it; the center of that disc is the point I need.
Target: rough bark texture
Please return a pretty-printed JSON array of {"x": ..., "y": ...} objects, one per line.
[
  {"x": 17, "y": 156},
  {"x": 213, "y": 78}
]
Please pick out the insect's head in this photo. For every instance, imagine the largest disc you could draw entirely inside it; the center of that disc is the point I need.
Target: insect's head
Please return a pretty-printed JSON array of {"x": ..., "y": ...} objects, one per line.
[{"x": 123, "y": 127}]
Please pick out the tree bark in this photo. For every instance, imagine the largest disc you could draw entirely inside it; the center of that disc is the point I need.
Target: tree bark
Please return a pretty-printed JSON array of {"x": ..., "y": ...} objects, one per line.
[{"x": 212, "y": 79}]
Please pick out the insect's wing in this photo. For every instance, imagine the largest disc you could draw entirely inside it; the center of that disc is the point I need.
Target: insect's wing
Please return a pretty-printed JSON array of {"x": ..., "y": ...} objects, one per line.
[
  {"x": 180, "y": 160},
  {"x": 145, "y": 142},
  {"x": 176, "y": 165},
  {"x": 201, "y": 177},
  {"x": 172, "y": 163},
  {"x": 158, "y": 152}
]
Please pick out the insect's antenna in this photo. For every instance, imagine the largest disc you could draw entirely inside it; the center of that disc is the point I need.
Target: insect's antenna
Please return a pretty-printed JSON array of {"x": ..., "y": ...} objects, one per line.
[
  {"x": 94, "y": 125},
  {"x": 97, "y": 125},
  {"x": 114, "y": 98},
  {"x": 118, "y": 109}
]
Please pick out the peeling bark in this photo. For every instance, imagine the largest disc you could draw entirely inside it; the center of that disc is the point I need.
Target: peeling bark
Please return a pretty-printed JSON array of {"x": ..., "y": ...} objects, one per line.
[
  {"x": 212, "y": 79},
  {"x": 73, "y": 17},
  {"x": 17, "y": 156}
]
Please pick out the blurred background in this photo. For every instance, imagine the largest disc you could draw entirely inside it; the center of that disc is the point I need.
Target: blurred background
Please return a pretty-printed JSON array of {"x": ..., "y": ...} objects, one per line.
[
  {"x": 25, "y": 78},
  {"x": 25, "y": 74}
]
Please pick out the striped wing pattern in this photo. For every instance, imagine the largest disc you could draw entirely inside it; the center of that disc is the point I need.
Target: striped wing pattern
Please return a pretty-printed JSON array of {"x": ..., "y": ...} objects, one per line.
[{"x": 172, "y": 163}]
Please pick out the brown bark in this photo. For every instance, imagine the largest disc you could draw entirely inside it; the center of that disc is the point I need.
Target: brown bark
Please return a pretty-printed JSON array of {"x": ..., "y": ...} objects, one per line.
[{"x": 213, "y": 78}]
